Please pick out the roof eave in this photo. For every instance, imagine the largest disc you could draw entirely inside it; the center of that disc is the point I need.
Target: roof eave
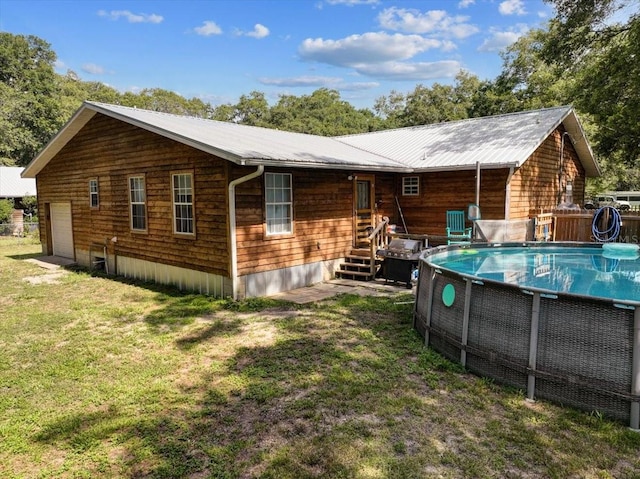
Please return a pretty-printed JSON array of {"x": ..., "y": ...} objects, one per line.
[
  {"x": 572, "y": 125},
  {"x": 324, "y": 166}
]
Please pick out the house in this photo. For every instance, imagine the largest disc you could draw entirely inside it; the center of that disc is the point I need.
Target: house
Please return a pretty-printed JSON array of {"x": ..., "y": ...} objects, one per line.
[
  {"x": 13, "y": 186},
  {"x": 241, "y": 211}
]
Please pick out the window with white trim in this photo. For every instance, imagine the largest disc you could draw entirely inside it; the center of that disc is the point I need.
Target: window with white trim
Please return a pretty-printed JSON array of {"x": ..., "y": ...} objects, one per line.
[
  {"x": 137, "y": 203},
  {"x": 182, "y": 187},
  {"x": 94, "y": 198},
  {"x": 278, "y": 203},
  {"x": 411, "y": 186}
]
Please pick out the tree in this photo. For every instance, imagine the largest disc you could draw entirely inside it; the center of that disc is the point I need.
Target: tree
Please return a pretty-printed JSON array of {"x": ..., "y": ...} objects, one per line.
[
  {"x": 252, "y": 109},
  {"x": 604, "y": 57},
  {"x": 30, "y": 114},
  {"x": 435, "y": 104},
  {"x": 6, "y": 210},
  {"x": 321, "y": 113}
]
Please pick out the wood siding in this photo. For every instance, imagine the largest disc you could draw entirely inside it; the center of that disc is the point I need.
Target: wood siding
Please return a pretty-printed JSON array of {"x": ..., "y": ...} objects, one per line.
[
  {"x": 536, "y": 185},
  {"x": 450, "y": 190},
  {"x": 322, "y": 215},
  {"x": 111, "y": 151}
]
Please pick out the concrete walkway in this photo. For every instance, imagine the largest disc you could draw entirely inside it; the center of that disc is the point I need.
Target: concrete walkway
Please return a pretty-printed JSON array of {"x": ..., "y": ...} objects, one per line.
[{"x": 328, "y": 289}]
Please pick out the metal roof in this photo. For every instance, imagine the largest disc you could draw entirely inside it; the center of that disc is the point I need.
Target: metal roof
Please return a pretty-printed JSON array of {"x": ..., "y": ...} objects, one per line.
[
  {"x": 499, "y": 141},
  {"x": 12, "y": 185},
  {"x": 494, "y": 142},
  {"x": 241, "y": 144}
]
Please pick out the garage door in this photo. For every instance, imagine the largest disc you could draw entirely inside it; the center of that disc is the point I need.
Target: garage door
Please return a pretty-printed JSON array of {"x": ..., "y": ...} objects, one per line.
[{"x": 61, "y": 231}]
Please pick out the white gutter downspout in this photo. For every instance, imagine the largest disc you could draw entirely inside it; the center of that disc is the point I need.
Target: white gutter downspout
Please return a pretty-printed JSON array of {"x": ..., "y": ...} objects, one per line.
[
  {"x": 507, "y": 197},
  {"x": 232, "y": 225}
]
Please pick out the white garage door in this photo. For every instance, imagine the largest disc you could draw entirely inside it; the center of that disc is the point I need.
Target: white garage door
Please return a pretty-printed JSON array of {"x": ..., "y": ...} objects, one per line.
[{"x": 61, "y": 231}]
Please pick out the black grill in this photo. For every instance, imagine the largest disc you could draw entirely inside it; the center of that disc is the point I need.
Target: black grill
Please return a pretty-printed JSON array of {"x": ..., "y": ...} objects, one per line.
[{"x": 400, "y": 260}]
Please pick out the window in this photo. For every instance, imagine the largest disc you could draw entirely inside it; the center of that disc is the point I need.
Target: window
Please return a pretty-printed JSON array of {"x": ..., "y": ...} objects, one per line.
[
  {"x": 138, "y": 203},
  {"x": 411, "y": 186},
  {"x": 94, "y": 199},
  {"x": 278, "y": 203},
  {"x": 182, "y": 186}
]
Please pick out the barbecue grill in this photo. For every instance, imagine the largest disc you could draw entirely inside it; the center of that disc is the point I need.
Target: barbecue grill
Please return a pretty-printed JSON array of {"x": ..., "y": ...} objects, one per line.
[{"x": 400, "y": 260}]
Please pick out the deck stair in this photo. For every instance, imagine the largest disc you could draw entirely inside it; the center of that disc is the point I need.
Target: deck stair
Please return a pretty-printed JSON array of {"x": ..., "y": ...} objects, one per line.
[
  {"x": 358, "y": 265},
  {"x": 362, "y": 263}
]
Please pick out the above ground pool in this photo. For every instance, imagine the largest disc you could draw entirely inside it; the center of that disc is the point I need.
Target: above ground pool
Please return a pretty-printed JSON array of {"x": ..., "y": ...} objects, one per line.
[
  {"x": 609, "y": 271},
  {"x": 559, "y": 320}
]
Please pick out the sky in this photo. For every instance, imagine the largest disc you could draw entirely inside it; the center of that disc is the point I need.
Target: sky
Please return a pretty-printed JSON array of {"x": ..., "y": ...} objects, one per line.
[{"x": 218, "y": 50}]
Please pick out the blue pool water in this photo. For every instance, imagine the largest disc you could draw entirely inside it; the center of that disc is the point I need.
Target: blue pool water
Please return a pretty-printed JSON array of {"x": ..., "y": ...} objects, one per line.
[{"x": 586, "y": 271}]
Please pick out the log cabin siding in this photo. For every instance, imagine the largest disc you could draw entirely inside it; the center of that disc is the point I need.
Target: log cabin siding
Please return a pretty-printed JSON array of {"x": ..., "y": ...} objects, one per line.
[
  {"x": 451, "y": 190},
  {"x": 322, "y": 221},
  {"x": 535, "y": 185},
  {"x": 111, "y": 151}
]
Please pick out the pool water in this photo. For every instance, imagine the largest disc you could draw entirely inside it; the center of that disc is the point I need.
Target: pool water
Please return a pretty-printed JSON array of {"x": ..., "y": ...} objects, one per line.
[{"x": 582, "y": 271}]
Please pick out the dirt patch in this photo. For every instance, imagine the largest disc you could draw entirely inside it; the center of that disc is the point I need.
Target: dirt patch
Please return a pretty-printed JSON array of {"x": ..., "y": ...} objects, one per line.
[{"x": 52, "y": 277}]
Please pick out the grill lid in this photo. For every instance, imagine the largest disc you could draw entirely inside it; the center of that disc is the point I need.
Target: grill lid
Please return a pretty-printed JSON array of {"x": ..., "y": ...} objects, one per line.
[{"x": 399, "y": 245}]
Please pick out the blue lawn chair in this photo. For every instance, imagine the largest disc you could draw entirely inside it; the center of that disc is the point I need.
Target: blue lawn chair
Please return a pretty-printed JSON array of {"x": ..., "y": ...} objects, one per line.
[{"x": 457, "y": 232}]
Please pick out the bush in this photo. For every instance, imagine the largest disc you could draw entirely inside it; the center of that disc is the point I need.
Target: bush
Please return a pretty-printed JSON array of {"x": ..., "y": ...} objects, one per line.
[{"x": 6, "y": 209}]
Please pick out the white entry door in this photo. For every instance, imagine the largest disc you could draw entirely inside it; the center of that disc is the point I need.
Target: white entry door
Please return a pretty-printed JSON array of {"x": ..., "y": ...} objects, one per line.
[{"x": 61, "y": 230}]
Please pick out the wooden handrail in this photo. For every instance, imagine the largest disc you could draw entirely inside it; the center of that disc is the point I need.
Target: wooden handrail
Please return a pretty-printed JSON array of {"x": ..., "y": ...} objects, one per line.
[{"x": 377, "y": 240}]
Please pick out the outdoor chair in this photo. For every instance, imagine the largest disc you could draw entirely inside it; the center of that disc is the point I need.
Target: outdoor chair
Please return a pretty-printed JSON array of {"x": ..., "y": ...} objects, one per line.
[{"x": 456, "y": 230}]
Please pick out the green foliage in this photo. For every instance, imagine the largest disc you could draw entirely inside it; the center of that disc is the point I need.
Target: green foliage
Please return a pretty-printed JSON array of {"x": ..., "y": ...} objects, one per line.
[
  {"x": 30, "y": 205},
  {"x": 6, "y": 208},
  {"x": 435, "y": 104},
  {"x": 29, "y": 112},
  {"x": 321, "y": 113},
  {"x": 602, "y": 56}
]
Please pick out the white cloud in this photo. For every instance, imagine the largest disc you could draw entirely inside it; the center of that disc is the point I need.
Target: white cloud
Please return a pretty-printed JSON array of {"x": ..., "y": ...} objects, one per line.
[
  {"x": 411, "y": 71},
  {"x": 432, "y": 21},
  {"x": 367, "y": 48},
  {"x": 512, "y": 7},
  {"x": 93, "y": 69},
  {"x": 131, "y": 17},
  {"x": 318, "y": 82},
  {"x": 465, "y": 3},
  {"x": 502, "y": 39},
  {"x": 259, "y": 31},
  {"x": 208, "y": 28}
]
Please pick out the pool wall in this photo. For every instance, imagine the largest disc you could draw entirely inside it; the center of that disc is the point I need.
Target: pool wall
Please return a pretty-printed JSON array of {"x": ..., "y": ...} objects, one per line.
[{"x": 573, "y": 350}]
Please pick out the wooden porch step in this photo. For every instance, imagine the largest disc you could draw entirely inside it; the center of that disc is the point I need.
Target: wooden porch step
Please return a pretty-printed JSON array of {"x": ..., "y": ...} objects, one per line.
[
  {"x": 357, "y": 265},
  {"x": 360, "y": 275}
]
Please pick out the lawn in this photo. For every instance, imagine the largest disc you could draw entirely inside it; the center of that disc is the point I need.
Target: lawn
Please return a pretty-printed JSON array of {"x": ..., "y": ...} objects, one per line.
[{"x": 104, "y": 378}]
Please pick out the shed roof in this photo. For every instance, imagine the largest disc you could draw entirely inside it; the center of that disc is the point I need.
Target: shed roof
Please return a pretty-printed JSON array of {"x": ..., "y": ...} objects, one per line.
[
  {"x": 498, "y": 141},
  {"x": 494, "y": 141},
  {"x": 12, "y": 185}
]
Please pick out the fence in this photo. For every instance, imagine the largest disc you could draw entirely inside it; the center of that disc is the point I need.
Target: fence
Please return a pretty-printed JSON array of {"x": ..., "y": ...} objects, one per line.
[
  {"x": 576, "y": 225},
  {"x": 24, "y": 228}
]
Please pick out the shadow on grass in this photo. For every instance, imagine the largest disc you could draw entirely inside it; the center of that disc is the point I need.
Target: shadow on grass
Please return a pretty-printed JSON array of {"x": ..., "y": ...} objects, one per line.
[{"x": 343, "y": 390}]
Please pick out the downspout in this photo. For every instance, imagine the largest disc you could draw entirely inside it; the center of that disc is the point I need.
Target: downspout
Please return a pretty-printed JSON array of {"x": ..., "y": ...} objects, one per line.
[
  {"x": 232, "y": 225},
  {"x": 507, "y": 197}
]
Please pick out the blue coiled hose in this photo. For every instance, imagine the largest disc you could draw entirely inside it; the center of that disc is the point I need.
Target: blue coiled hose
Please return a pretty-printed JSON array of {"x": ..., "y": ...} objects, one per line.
[{"x": 612, "y": 231}]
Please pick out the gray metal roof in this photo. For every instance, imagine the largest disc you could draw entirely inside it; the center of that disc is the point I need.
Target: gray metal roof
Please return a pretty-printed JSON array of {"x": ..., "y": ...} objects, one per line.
[
  {"x": 241, "y": 144},
  {"x": 12, "y": 185},
  {"x": 499, "y": 141},
  {"x": 494, "y": 142}
]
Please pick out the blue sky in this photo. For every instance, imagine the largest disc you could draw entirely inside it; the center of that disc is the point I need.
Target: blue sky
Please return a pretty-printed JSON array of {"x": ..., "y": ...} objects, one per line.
[{"x": 221, "y": 49}]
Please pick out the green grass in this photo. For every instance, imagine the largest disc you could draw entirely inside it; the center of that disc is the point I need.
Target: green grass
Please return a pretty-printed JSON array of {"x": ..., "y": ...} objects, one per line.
[{"x": 102, "y": 378}]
